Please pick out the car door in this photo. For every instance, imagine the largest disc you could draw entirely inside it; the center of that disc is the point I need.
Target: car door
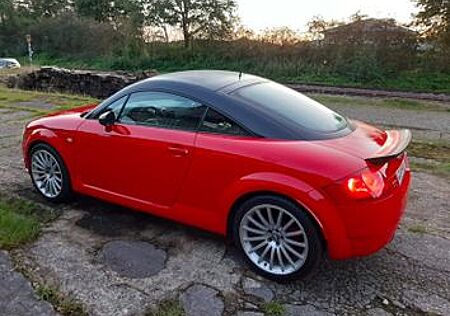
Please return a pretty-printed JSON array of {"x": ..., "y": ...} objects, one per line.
[
  {"x": 145, "y": 155},
  {"x": 223, "y": 154}
]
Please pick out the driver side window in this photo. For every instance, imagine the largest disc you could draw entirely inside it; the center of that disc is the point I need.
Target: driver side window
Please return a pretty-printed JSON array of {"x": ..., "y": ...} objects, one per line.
[
  {"x": 160, "y": 109},
  {"x": 115, "y": 106}
]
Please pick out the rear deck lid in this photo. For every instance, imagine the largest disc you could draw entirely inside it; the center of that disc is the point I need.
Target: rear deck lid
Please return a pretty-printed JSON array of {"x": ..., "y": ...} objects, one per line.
[{"x": 372, "y": 144}]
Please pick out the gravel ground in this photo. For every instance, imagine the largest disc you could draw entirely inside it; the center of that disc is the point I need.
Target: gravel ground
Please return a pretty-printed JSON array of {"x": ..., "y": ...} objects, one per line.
[
  {"x": 431, "y": 125},
  {"x": 94, "y": 253},
  {"x": 305, "y": 88}
]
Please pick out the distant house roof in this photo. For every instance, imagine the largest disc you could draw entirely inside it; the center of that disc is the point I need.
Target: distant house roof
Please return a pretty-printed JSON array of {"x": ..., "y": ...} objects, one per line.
[{"x": 369, "y": 26}]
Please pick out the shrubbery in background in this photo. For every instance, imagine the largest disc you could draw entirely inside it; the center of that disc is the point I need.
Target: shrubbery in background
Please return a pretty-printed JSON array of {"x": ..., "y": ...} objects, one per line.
[{"x": 107, "y": 34}]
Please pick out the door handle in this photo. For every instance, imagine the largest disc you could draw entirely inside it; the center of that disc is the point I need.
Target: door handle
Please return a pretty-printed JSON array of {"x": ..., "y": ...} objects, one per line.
[{"x": 178, "y": 151}]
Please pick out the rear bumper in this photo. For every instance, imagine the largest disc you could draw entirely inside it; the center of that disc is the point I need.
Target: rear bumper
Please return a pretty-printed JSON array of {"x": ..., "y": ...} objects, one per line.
[{"x": 369, "y": 225}]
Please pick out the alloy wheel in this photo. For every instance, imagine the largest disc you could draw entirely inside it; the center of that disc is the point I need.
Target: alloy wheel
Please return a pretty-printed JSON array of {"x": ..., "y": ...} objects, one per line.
[
  {"x": 273, "y": 239},
  {"x": 47, "y": 174}
]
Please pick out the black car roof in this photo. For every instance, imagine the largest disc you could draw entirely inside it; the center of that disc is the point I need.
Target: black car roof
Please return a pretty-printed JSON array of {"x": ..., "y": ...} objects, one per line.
[
  {"x": 215, "y": 80},
  {"x": 214, "y": 88}
]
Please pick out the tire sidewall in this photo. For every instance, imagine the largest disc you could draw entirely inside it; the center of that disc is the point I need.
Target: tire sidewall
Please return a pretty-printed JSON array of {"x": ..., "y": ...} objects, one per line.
[
  {"x": 315, "y": 246},
  {"x": 66, "y": 189}
]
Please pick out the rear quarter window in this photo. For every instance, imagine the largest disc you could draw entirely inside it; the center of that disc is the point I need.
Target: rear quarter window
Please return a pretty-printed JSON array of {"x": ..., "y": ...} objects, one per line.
[{"x": 287, "y": 104}]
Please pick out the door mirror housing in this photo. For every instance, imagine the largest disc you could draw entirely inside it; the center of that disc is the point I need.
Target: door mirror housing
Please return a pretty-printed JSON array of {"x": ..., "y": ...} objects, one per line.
[{"x": 107, "y": 119}]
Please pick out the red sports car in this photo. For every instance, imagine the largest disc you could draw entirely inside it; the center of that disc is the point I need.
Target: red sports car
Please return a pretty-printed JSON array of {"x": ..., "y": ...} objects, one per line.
[{"x": 283, "y": 176}]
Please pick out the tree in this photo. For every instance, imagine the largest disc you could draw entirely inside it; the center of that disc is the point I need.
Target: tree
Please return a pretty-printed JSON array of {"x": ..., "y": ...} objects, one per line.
[
  {"x": 49, "y": 8},
  {"x": 100, "y": 10},
  {"x": 6, "y": 9},
  {"x": 317, "y": 27},
  {"x": 111, "y": 11},
  {"x": 195, "y": 18},
  {"x": 283, "y": 36},
  {"x": 434, "y": 18}
]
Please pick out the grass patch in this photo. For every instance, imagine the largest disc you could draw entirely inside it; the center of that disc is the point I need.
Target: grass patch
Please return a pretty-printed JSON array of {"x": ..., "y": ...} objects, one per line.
[
  {"x": 405, "y": 104},
  {"x": 437, "y": 153},
  {"x": 20, "y": 222},
  {"x": 16, "y": 229},
  {"x": 167, "y": 308},
  {"x": 273, "y": 309},
  {"x": 438, "y": 150},
  {"x": 440, "y": 169},
  {"x": 64, "y": 305},
  {"x": 12, "y": 99},
  {"x": 395, "y": 103},
  {"x": 417, "y": 229}
]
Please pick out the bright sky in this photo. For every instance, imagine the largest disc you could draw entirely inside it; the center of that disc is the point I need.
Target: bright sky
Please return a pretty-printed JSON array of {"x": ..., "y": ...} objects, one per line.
[{"x": 260, "y": 14}]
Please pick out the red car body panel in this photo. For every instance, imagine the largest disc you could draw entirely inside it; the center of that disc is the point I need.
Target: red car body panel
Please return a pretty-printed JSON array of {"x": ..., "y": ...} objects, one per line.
[{"x": 181, "y": 182}]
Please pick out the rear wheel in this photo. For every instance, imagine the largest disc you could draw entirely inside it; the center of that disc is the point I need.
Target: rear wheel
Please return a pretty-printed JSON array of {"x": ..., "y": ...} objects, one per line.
[
  {"x": 277, "y": 238},
  {"x": 49, "y": 174}
]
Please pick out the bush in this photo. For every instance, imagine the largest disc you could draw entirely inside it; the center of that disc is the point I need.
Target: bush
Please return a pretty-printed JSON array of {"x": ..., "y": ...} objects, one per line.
[{"x": 68, "y": 35}]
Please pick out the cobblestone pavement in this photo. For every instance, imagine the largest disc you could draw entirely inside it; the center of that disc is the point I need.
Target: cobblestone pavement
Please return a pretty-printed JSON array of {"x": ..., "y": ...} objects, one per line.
[{"x": 119, "y": 262}]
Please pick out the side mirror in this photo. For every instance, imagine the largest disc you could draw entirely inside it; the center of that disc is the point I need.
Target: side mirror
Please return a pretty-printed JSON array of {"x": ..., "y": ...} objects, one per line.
[{"x": 107, "y": 119}]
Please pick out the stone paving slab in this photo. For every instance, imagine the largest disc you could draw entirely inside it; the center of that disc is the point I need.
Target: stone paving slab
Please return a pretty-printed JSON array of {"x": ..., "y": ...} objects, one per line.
[
  {"x": 17, "y": 297},
  {"x": 133, "y": 259}
]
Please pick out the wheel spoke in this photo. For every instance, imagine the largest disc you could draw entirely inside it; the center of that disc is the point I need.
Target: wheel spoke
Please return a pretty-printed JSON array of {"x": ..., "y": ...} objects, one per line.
[
  {"x": 258, "y": 224},
  {"x": 57, "y": 184},
  {"x": 40, "y": 160},
  {"x": 295, "y": 243},
  {"x": 40, "y": 177},
  {"x": 280, "y": 217},
  {"x": 258, "y": 246},
  {"x": 264, "y": 253},
  {"x": 47, "y": 187},
  {"x": 43, "y": 183},
  {"x": 261, "y": 217},
  {"x": 294, "y": 233},
  {"x": 254, "y": 230},
  {"x": 280, "y": 259},
  {"x": 286, "y": 254},
  {"x": 269, "y": 215},
  {"x": 272, "y": 255},
  {"x": 45, "y": 159},
  {"x": 37, "y": 165},
  {"x": 288, "y": 224},
  {"x": 293, "y": 251},
  {"x": 257, "y": 238},
  {"x": 54, "y": 188}
]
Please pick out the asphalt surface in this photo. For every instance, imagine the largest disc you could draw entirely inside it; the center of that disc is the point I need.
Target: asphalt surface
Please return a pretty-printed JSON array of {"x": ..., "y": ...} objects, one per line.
[{"x": 94, "y": 253}]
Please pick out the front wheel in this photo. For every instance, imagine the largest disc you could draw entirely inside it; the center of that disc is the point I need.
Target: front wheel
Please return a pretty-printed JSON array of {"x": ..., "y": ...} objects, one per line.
[
  {"x": 277, "y": 238},
  {"x": 49, "y": 174}
]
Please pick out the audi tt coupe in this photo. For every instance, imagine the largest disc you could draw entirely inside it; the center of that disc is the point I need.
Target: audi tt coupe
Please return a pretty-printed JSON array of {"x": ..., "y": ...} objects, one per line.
[{"x": 286, "y": 178}]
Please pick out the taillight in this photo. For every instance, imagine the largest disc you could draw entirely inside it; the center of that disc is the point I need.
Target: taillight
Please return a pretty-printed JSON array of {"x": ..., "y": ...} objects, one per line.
[{"x": 367, "y": 184}]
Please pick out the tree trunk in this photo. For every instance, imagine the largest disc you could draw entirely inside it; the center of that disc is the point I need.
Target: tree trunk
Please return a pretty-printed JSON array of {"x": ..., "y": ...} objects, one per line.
[
  {"x": 187, "y": 39},
  {"x": 166, "y": 33},
  {"x": 185, "y": 24}
]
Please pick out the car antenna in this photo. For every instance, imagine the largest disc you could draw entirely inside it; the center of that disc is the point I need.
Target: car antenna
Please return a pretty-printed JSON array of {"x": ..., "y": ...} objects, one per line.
[{"x": 240, "y": 75}]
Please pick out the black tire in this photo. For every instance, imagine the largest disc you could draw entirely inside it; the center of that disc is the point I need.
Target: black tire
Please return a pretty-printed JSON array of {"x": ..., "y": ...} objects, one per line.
[
  {"x": 66, "y": 189},
  {"x": 315, "y": 245}
]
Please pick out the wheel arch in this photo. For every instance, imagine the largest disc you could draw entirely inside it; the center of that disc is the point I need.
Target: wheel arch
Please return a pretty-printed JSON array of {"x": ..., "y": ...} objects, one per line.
[
  {"x": 32, "y": 144},
  {"x": 248, "y": 195},
  {"x": 52, "y": 138}
]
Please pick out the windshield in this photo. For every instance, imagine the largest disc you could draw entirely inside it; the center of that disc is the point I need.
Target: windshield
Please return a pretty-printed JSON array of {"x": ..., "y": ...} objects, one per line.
[{"x": 288, "y": 104}]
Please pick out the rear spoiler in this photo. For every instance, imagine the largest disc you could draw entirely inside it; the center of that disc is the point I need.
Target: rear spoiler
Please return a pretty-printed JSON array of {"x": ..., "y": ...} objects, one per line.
[{"x": 396, "y": 143}]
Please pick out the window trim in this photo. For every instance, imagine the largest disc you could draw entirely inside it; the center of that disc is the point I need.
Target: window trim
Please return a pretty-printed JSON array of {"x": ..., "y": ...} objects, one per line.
[
  {"x": 249, "y": 133},
  {"x": 93, "y": 115},
  {"x": 166, "y": 91},
  {"x": 180, "y": 94},
  {"x": 235, "y": 94}
]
